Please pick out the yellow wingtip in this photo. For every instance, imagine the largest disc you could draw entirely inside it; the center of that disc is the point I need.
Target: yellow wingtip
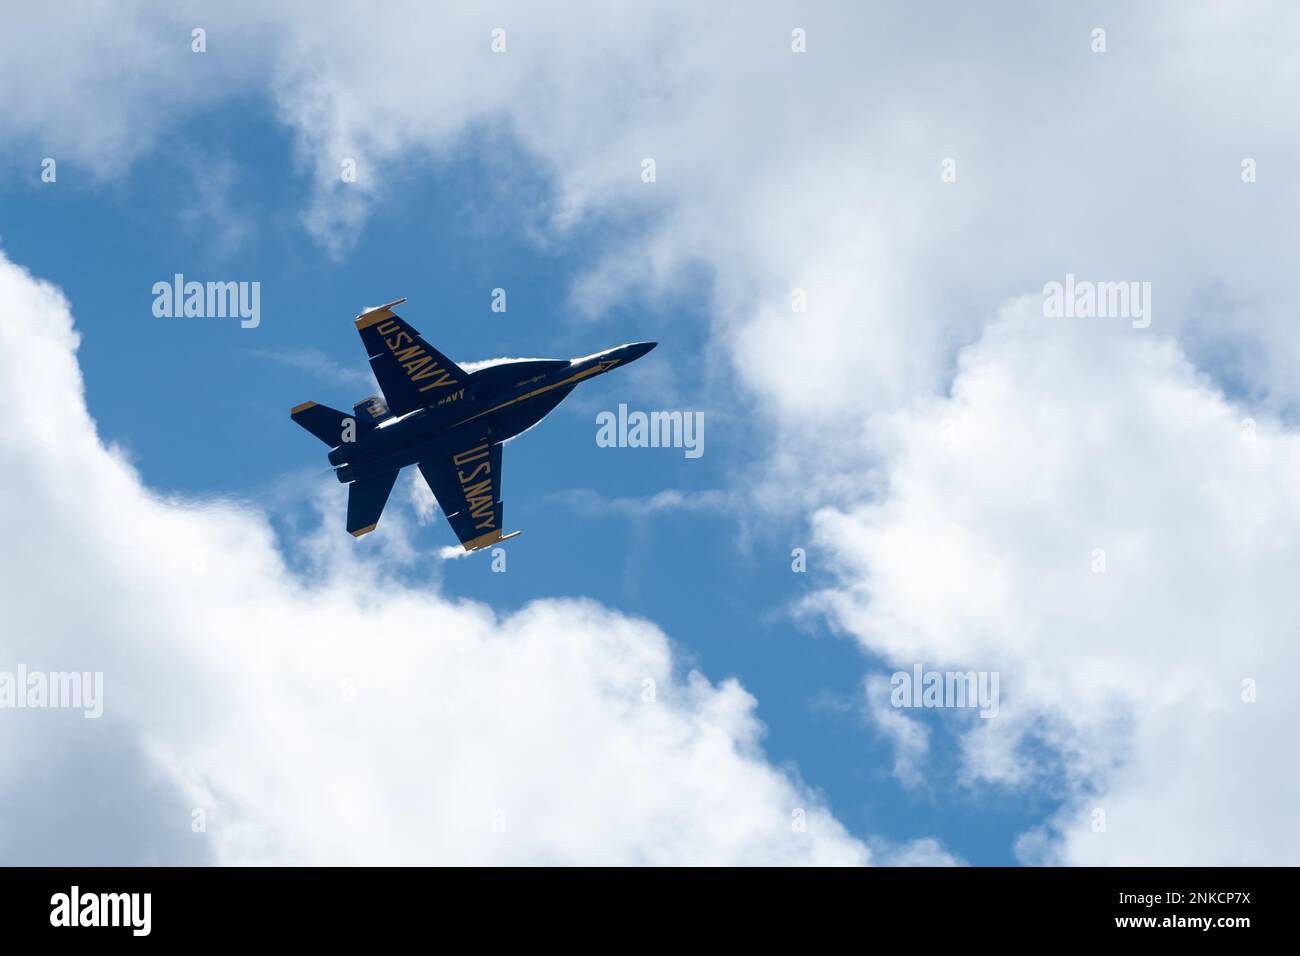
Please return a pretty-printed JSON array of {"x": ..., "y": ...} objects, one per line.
[
  {"x": 360, "y": 531},
  {"x": 378, "y": 314},
  {"x": 492, "y": 537}
]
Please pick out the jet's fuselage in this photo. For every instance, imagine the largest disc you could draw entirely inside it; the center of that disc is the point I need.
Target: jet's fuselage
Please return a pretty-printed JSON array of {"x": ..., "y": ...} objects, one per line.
[{"x": 497, "y": 403}]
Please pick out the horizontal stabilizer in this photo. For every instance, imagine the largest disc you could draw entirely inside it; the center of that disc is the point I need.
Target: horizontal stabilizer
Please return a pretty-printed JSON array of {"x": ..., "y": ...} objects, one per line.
[{"x": 366, "y": 500}]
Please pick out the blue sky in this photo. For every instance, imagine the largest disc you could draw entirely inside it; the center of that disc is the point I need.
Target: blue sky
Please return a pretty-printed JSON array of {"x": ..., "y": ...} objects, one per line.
[{"x": 201, "y": 407}]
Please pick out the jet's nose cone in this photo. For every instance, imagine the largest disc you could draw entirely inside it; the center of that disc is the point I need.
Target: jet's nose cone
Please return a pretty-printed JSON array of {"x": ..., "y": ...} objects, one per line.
[{"x": 621, "y": 355}]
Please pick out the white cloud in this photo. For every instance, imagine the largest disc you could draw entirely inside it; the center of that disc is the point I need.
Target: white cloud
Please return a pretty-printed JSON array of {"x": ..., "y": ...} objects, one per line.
[
  {"x": 818, "y": 171},
  {"x": 423, "y": 502},
  {"x": 98, "y": 88},
  {"x": 670, "y": 499},
  {"x": 317, "y": 363},
  {"x": 338, "y": 717},
  {"x": 1062, "y": 440},
  {"x": 910, "y": 738},
  {"x": 924, "y": 852}
]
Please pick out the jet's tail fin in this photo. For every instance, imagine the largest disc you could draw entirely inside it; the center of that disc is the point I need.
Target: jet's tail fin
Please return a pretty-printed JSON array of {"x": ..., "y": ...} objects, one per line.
[{"x": 329, "y": 424}]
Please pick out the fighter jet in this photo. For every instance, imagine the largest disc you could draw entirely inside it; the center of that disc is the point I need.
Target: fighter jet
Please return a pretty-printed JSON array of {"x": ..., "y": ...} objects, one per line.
[{"x": 445, "y": 420}]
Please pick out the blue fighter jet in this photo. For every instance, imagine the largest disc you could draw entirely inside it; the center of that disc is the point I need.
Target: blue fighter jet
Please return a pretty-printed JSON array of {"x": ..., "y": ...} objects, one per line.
[{"x": 445, "y": 420}]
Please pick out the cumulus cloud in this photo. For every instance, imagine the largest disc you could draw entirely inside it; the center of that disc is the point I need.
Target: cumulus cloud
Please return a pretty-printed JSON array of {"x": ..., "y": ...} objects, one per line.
[
  {"x": 99, "y": 88},
  {"x": 340, "y": 716},
  {"x": 1090, "y": 517},
  {"x": 821, "y": 171},
  {"x": 910, "y": 738},
  {"x": 925, "y": 852},
  {"x": 815, "y": 173}
]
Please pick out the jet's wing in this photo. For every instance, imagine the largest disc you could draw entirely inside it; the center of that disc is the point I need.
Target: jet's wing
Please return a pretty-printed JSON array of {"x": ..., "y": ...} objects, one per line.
[
  {"x": 366, "y": 500},
  {"x": 467, "y": 484},
  {"x": 411, "y": 372}
]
